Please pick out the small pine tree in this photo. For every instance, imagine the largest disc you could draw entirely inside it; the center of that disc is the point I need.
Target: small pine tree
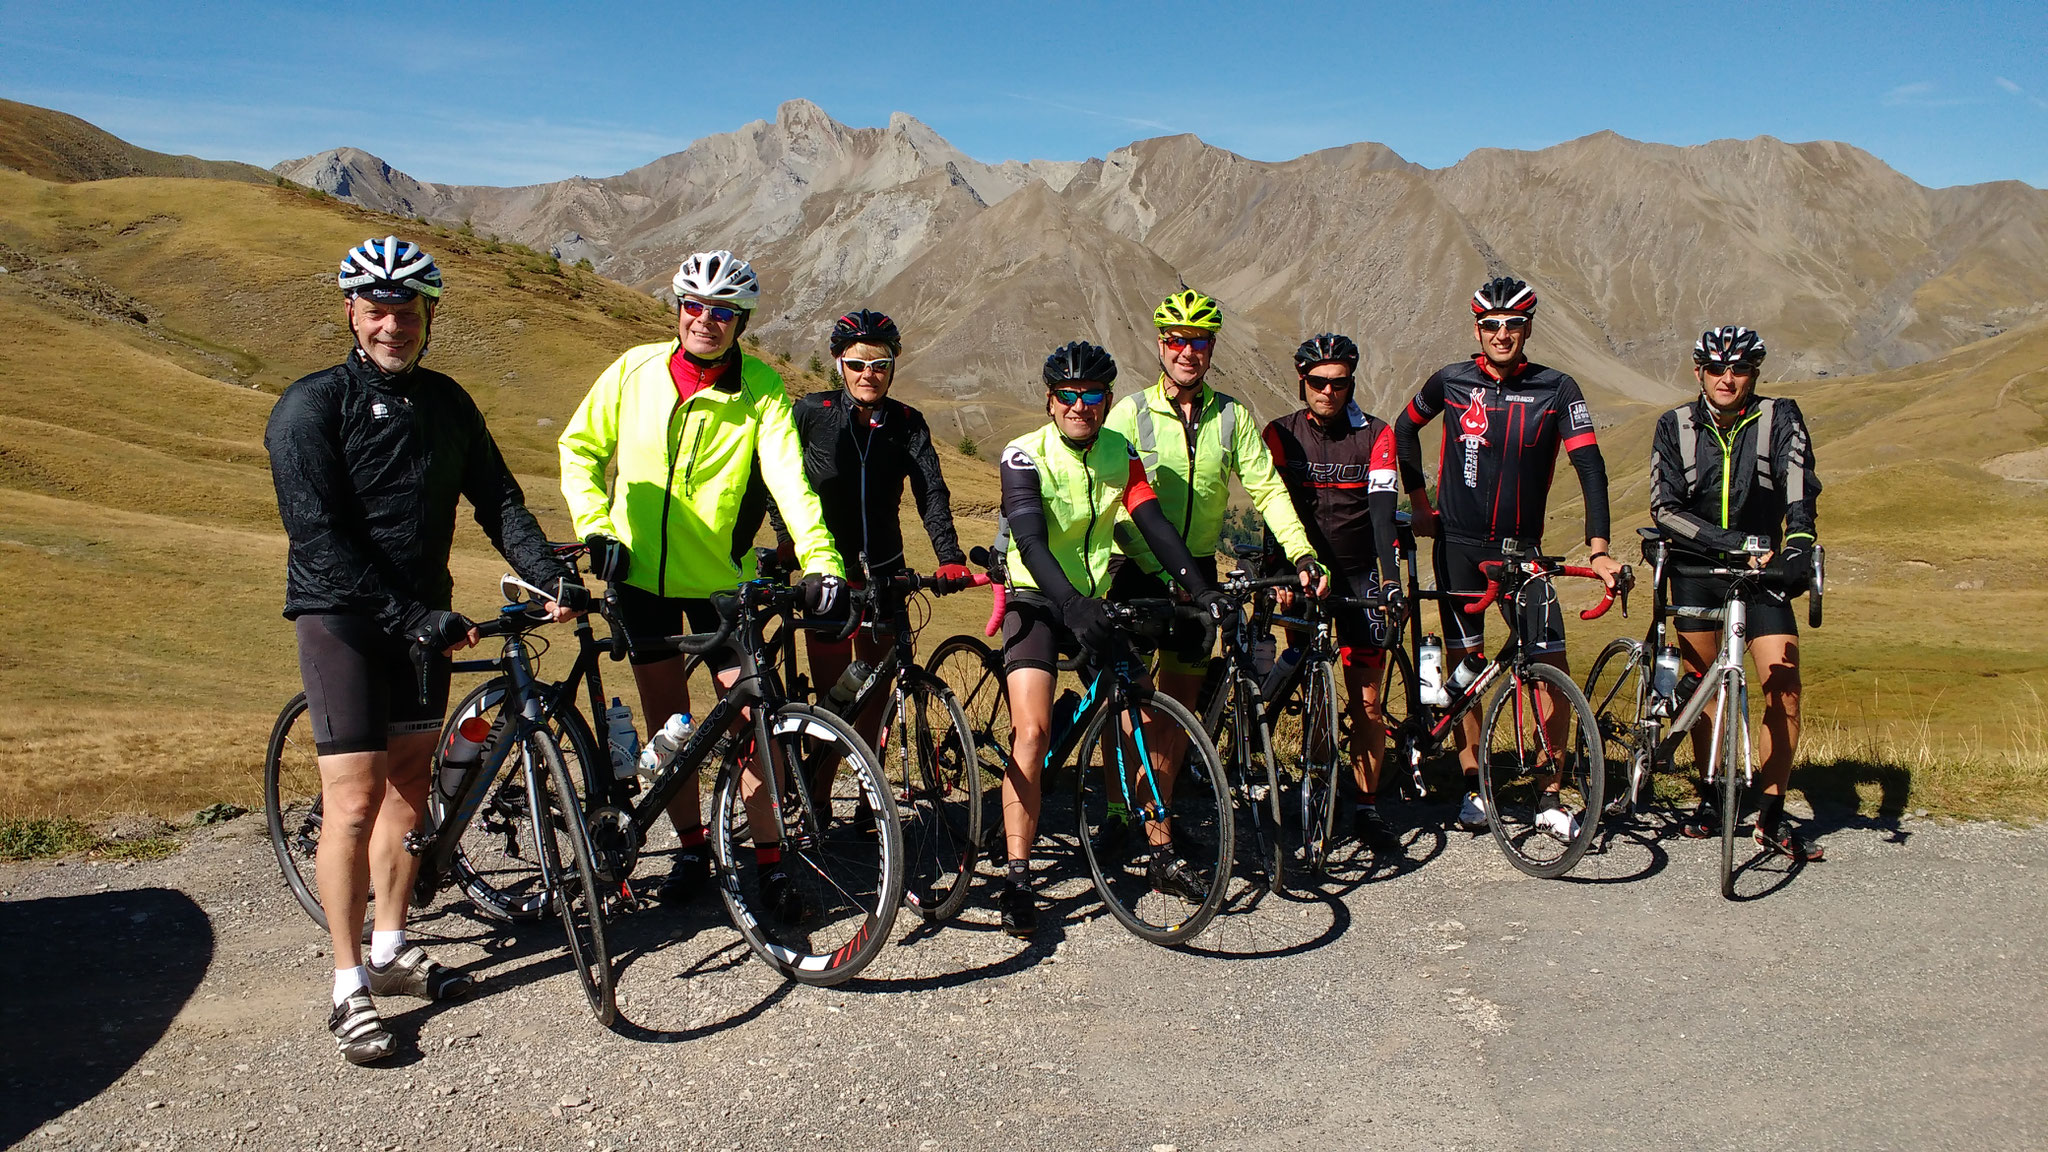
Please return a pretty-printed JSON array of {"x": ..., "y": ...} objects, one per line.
[
  {"x": 969, "y": 448},
  {"x": 584, "y": 265},
  {"x": 816, "y": 367}
]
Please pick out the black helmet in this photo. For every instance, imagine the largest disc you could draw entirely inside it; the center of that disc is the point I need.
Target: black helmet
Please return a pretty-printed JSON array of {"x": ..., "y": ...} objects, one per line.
[
  {"x": 1504, "y": 294},
  {"x": 865, "y": 327},
  {"x": 1325, "y": 349},
  {"x": 1079, "y": 361},
  {"x": 1729, "y": 344}
]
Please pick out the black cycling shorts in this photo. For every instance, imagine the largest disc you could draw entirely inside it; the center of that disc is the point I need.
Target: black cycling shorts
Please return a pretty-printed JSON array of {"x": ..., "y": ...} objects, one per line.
[
  {"x": 361, "y": 686},
  {"x": 1457, "y": 570},
  {"x": 1128, "y": 582},
  {"x": 649, "y": 619},
  {"x": 1768, "y": 615},
  {"x": 1362, "y": 634},
  {"x": 1034, "y": 635}
]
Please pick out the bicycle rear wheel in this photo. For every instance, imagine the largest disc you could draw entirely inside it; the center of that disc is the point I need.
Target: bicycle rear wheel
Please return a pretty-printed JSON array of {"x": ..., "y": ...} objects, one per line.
[
  {"x": 847, "y": 875},
  {"x": 1319, "y": 759},
  {"x": 973, "y": 672},
  {"x": 1110, "y": 767},
  {"x": 500, "y": 873},
  {"x": 1615, "y": 689},
  {"x": 1523, "y": 759},
  {"x": 568, "y": 870},
  {"x": 291, "y": 808},
  {"x": 940, "y": 793},
  {"x": 1246, "y": 751}
]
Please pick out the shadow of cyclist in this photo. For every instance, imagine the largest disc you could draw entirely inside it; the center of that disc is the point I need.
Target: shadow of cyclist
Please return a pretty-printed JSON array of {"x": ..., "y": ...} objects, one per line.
[
  {"x": 1831, "y": 788},
  {"x": 93, "y": 982}
]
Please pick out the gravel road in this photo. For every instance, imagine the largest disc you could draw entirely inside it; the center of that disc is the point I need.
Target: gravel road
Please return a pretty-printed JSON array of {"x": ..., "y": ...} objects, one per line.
[{"x": 1891, "y": 997}]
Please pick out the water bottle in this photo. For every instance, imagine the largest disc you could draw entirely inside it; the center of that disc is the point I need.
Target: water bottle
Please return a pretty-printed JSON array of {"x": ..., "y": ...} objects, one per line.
[
  {"x": 661, "y": 748},
  {"x": 1687, "y": 685},
  {"x": 1063, "y": 711},
  {"x": 465, "y": 744},
  {"x": 1467, "y": 671},
  {"x": 851, "y": 681},
  {"x": 1429, "y": 673},
  {"x": 1283, "y": 667},
  {"x": 624, "y": 739},
  {"x": 1664, "y": 679}
]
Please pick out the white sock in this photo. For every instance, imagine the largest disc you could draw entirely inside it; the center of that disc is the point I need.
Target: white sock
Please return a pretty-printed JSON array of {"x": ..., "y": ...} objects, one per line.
[
  {"x": 347, "y": 980},
  {"x": 385, "y": 946}
]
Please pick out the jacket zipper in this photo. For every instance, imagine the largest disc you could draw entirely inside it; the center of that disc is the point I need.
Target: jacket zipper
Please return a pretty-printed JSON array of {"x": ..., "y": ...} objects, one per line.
[
  {"x": 1088, "y": 536},
  {"x": 1727, "y": 458},
  {"x": 668, "y": 497}
]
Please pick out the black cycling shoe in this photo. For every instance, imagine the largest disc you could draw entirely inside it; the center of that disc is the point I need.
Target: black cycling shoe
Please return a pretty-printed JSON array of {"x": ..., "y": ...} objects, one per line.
[
  {"x": 1703, "y": 824},
  {"x": 1786, "y": 842},
  {"x": 413, "y": 973},
  {"x": 1371, "y": 830},
  {"x": 778, "y": 892},
  {"x": 1020, "y": 910},
  {"x": 688, "y": 878},
  {"x": 1174, "y": 876}
]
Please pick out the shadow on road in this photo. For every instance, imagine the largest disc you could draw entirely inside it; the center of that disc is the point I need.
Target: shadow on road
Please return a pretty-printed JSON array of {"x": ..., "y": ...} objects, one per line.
[
  {"x": 92, "y": 982},
  {"x": 1831, "y": 789}
]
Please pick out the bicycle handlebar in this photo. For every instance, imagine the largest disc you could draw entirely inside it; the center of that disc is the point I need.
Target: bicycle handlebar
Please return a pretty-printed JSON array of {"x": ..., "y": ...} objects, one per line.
[{"x": 1542, "y": 569}]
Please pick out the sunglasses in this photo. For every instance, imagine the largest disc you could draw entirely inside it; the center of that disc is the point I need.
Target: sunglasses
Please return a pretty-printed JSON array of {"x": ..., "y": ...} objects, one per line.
[
  {"x": 718, "y": 314},
  {"x": 1511, "y": 323},
  {"x": 1089, "y": 397},
  {"x": 882, "y": 365},
  {"x": 1327, "y": 383},
  {"x": 1729, "y": 369},
  {"x": 1198, "y": 343}
]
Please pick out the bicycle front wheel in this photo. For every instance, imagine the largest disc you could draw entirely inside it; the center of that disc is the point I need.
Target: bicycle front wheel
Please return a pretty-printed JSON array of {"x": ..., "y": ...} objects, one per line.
[
  {"x": 973, "y": 672},
  {"x": 1318, "y": 756},
  {"x": 1615, "y": 689},
  {"x": 1246, "y": 750},
  {"x": 1734, "y": 723},
  {"x": 1165, "y": 878},
  {"x": 816, "y": 897},
  {"x": 941, "y": 792},
  {"x": 1543, "y": 774},
  {"x": 568, "y": 868}
]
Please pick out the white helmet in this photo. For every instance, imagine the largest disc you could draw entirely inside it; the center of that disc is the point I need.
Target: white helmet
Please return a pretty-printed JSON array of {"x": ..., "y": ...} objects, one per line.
[
  {"x": 719, "y": 276},
  {"x": 391, "y": 270}
]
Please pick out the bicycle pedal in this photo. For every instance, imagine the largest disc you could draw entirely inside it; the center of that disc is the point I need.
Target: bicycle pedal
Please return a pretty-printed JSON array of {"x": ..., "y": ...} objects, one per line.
[{"x": 415, "y": 842}]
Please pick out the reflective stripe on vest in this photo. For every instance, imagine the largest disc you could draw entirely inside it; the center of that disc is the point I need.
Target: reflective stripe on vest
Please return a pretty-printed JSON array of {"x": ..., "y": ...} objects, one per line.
[
  {"x": 1689, "y": 447},
  {"x": 1148, "y": 440}
]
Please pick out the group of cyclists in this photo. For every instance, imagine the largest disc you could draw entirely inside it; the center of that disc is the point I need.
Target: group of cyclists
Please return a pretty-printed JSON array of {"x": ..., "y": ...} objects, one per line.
[{"x": 681, "y": 447}]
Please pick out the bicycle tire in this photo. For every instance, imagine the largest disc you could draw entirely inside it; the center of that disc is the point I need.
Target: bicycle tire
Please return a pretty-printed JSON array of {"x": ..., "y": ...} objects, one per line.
[
  {"x": 1396, "y": 678},
  {"x": 1198, "y": 828},
  {"x": 1614, "y": 687},
  {"x": 850, "y": 884},
  {"x": 1733, "y": 721},
  {"x": 577, "y": 897},
  {"x": 488, "y": 864},
  {"x": 1511, "y": 776},
  {"x": 291, "y": 808},
  {"x": 973, "y": 672},
  {"x": 1254, "y": 785},
  {"x": 1321, "y": 762},
  {"x": 941, "y": 795}
]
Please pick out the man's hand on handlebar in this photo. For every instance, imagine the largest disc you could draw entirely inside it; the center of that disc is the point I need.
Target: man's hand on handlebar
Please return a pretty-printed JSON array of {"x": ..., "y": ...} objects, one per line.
[
  {"x": 1315, "y": 579},
  {"x": 952, "y": 578},
  {"x": 442, "y": 631},
  {"x": 824, "y": 595},
  {"x": 1604, "y": 565}
]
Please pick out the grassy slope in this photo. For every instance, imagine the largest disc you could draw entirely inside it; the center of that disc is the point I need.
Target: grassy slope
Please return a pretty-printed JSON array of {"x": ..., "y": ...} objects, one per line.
[
  {"x": 53, "y": 146},
  {"x": 137, "y": 366}
]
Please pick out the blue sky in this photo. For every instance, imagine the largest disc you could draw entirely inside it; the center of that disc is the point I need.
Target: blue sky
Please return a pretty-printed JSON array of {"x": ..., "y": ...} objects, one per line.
[{"x": 511, "y": 93}]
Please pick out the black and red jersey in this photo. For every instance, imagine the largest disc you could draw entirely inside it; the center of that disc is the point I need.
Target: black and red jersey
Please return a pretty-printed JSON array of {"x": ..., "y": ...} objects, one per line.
[
  {"x": 1342, "y": 482},
  {"x": 1501, "y": 438}
]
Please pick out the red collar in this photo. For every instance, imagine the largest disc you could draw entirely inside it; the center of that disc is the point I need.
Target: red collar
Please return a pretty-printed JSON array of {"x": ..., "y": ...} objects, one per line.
[
  {"x": 690, "y": 377},
  {"x": 1486, "y": 366}
]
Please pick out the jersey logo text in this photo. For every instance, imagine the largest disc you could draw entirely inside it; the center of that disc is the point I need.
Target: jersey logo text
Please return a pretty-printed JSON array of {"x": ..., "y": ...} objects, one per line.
[{"x": 1472, "y": 425}]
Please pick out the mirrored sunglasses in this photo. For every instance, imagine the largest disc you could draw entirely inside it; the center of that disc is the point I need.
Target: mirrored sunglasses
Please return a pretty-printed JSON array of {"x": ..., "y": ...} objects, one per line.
[
  {"x": 882, "y": 365},
  {"x": 1729, "y": 369},
  {"x": 1089, "y": 397},
  {"x": 1198, "y": 343},
  {"x": 1511, "y": 323},
  {"x": 719, "y": 314}
]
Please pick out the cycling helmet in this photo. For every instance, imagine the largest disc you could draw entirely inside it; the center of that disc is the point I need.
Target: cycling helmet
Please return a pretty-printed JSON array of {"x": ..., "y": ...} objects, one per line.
[
  {"x": 390, "y": 271},
  {"x": 719, "y": 276},
  {"x": 1728, "y": 344},
  {"x": 1188, "y": 308},
  {"x": 1079, "y": 361},
  {"x": 865, "y": 327},
  {"x": 1504, "y": 294},
  {"x": 1325, "y": 349}
]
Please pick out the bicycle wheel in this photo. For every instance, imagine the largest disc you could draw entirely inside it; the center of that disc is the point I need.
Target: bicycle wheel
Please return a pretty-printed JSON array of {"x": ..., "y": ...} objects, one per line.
[
  {"x": 1396, "y": 677},
  {"x": 1318, "y": 756},
  {"x": 1246, "y": 750},
  {"x": 847, "y": 874},
  {"x": 1734, "y": 721},
  {"x": 1199, "y": 829},
  {"x": 567, "y": 867},
  {"x": 941, "y": 792},
  {"x": 494, "y": 861},
  {"x": 1522, "y": 759},
  {"x": 1615, "y": 689},
  {"x": 973, "y": 672},
  {"x": 291, "y": 806}
]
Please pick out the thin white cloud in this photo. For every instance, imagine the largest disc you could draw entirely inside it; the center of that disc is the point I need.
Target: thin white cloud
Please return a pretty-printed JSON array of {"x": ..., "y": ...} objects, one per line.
[
  {"x": 1135, "y": 122},
  {"x": 1921, "y": 94},
  {"x": 2022, "y": 93}
]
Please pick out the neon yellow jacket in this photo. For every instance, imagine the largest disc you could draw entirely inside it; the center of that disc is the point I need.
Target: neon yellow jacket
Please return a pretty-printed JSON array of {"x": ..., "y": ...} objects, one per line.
[
  {"x": 1152, "y": 424},
  {"x": 682, "y": 468},
  {"x": 1083, "y": 494}
]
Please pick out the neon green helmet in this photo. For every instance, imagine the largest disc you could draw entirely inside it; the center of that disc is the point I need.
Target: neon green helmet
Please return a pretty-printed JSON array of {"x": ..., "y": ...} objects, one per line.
[{"x": 1188, "y": 308}]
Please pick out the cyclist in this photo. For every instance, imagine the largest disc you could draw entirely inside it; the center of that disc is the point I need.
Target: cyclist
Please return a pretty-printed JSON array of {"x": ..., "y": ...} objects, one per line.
[
  {"x": 1063, "y": 486},
  {"x": 368, "y": 458},
  {"x": 1339, "y": 466},
  {"x": 688, "y": 425},
  {"x": 1492, "y": 481},
  {"x": 1192, "y": 439},
  {"x": 859, "y": 447},
  {"x": 1728, "y": 468}
]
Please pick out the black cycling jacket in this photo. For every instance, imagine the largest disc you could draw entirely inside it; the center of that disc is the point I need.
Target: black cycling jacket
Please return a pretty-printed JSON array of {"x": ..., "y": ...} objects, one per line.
[
  {"x": 1341, "y": 479},
  {"x": 1501, "y": 438},
  {"x": 1731, "y": 493},
  {"x": 367, "y": 469},
  {"x": 858, "y": 467}
]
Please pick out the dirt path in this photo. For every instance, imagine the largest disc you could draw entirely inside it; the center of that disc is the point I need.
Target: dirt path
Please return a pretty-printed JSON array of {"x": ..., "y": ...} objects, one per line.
[{"x": 1896, "y": 996}]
